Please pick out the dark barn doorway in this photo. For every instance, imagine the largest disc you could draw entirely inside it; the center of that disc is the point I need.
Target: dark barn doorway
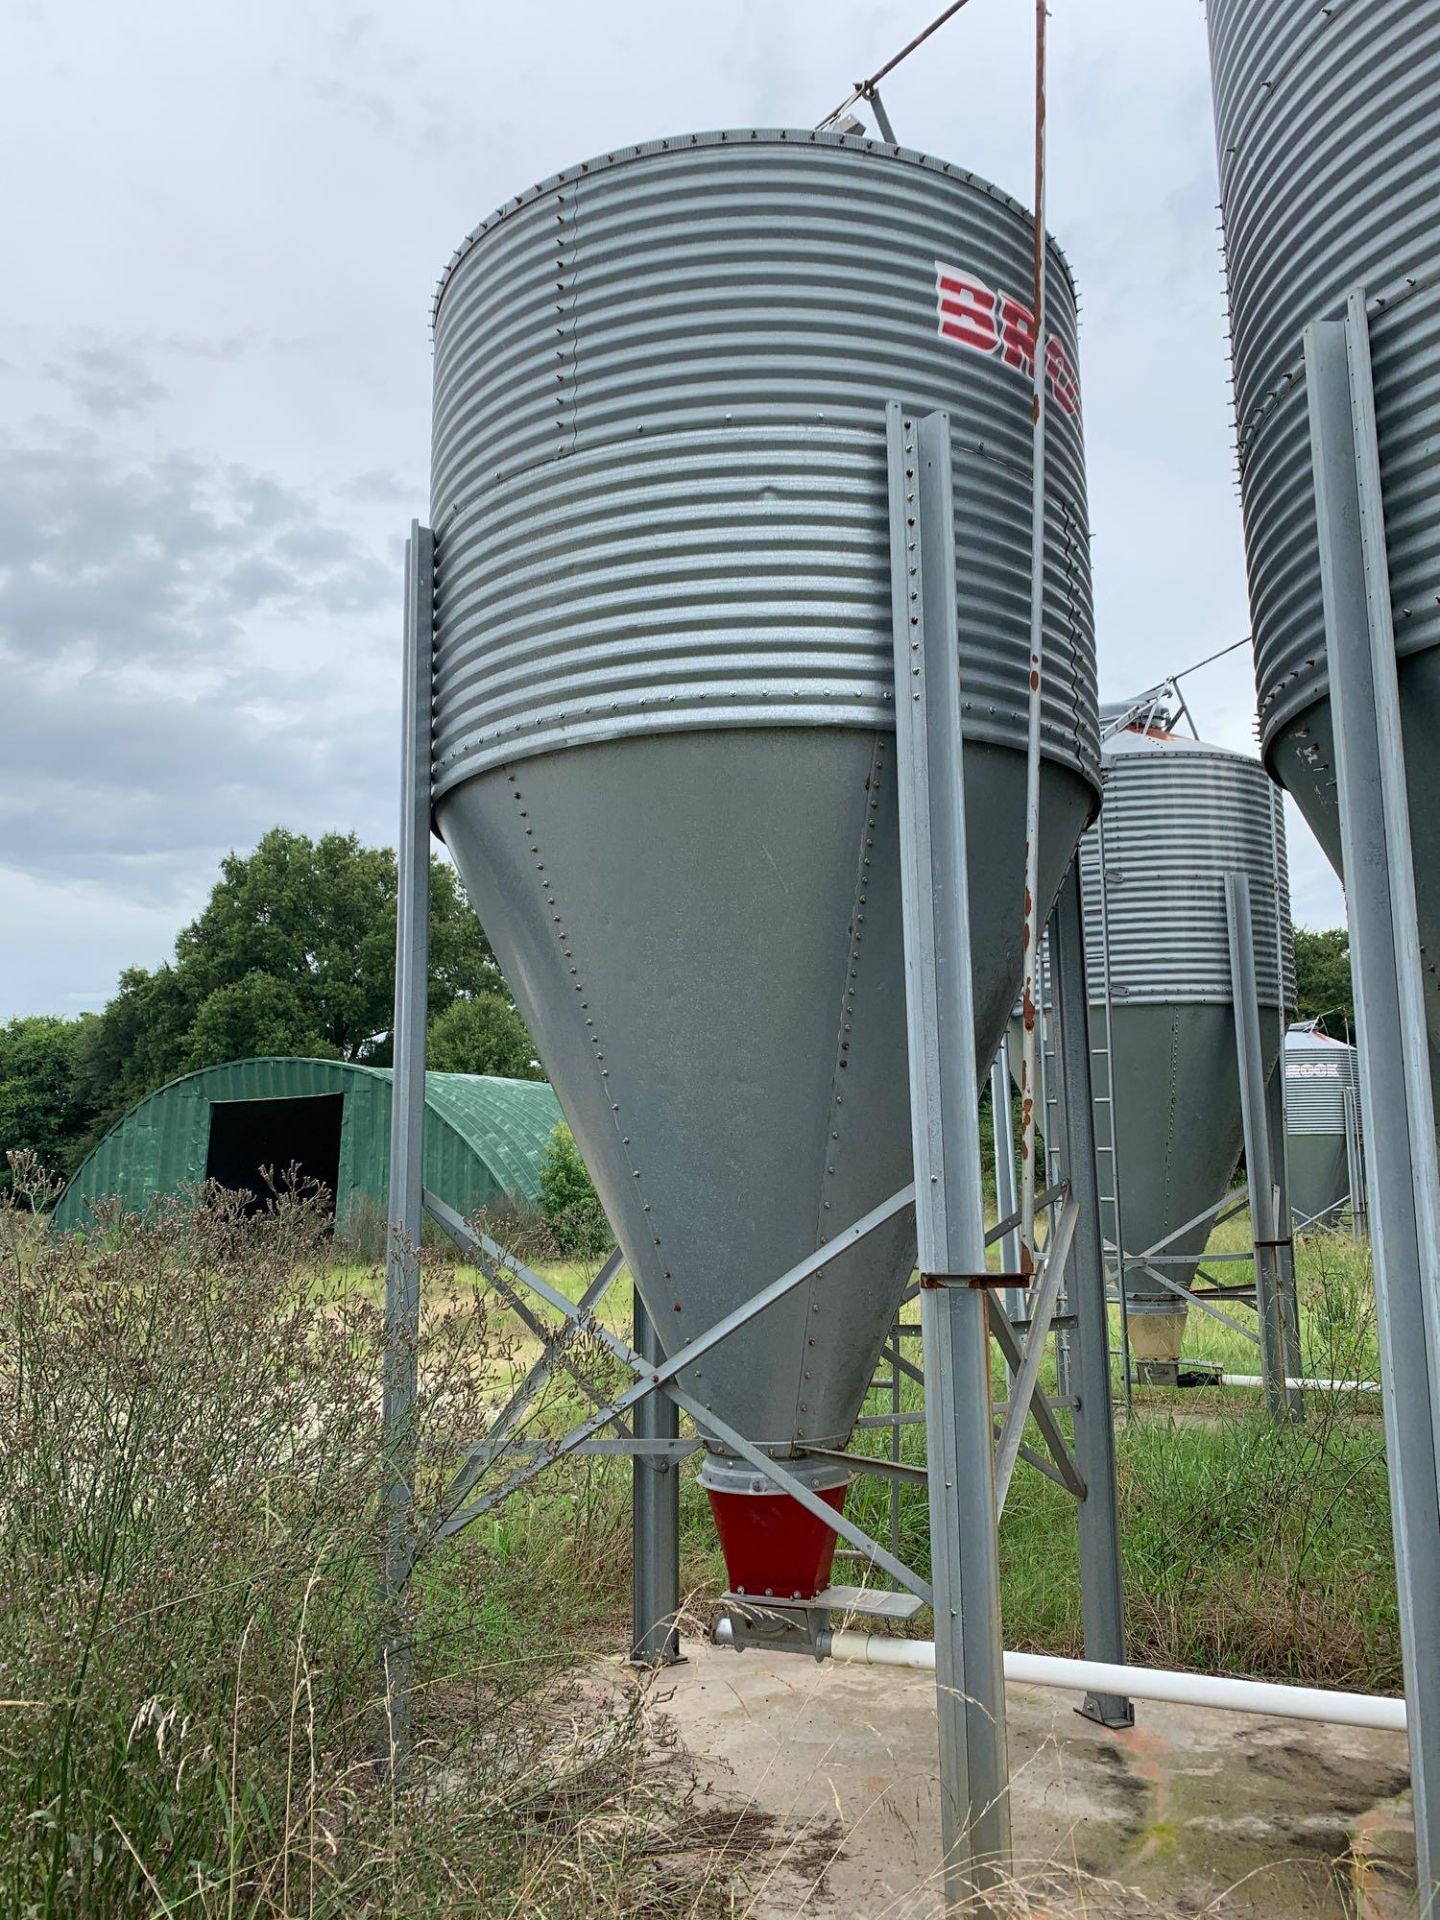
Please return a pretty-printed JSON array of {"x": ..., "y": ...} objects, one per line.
[{"x": 246, "y": 1135}]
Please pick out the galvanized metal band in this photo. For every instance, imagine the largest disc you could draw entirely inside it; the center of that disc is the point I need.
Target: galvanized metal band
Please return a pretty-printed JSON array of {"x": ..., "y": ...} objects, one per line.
[
  {"x": 659, "y": 466},
  {"x": 724, "y": 137}
]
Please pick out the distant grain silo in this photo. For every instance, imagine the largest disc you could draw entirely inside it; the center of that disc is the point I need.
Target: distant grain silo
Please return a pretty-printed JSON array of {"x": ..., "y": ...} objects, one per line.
[
  {"x": 1179, "y": 815},
  {"x": 1320, "y": 1093}
]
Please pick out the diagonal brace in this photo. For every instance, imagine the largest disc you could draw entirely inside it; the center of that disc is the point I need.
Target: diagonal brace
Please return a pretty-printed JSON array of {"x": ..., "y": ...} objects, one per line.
[
  {"x": 483, "y": 1455},
  {"x": 1068, "y": 1474},
  {"x": 1027, "y": 1373}
]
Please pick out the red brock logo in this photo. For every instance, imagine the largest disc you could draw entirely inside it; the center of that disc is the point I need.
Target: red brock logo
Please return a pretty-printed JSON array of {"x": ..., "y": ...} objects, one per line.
[{"x": 989, "y": 320}]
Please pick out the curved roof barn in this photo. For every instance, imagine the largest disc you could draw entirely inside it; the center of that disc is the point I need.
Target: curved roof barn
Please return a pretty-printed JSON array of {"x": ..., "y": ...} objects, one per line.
[{"x": 484, "y": 1137}]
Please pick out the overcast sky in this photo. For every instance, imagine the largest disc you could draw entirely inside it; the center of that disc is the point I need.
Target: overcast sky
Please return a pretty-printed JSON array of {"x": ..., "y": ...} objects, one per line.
[{"x": 221, "y": 232}]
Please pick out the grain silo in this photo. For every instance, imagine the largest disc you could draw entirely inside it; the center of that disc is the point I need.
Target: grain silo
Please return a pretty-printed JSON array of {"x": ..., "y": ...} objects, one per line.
[
  {"x": 1320, "y": 1124},
  {"x": 664, "y": 708},
  {"x": 1179, "y": 815},
  {"x": 1328, "y": 128}
]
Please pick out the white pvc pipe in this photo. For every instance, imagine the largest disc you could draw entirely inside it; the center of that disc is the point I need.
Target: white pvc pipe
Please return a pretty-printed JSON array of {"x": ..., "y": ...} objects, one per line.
[
  {"x": 1144, "y": 1683},
  {"x": 1304, "y": 1386}
]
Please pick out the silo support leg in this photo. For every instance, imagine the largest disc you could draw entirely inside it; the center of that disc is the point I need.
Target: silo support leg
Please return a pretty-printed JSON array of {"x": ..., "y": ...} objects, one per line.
[
  {"x": 407, "y": 1136},
  {"x": 655, "y": 1520},
  {"x": 949, "y": 1213},
  {"x": 1102, "y": 1590},
  {"x": 1397, "y": 1106},
  {"x": 1275, "y": 1313},
  {"x": 1287, "y": 1300}
]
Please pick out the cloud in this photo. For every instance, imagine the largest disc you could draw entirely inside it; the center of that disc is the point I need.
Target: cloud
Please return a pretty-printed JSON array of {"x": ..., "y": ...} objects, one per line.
[
  {"x": 191, "y": 653},
  {"x": 107, "y": 380},
  {"x": 379, "y": 486},
  {"x": 108, "y": 562}
]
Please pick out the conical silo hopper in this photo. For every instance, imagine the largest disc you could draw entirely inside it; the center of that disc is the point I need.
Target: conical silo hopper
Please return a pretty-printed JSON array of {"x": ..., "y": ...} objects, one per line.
[
  {"x": 1329, "y": 148},
  {"x": 1320, "y": 1081},
  {"x": 1179, "y": 815},
  {"x": 664, "y": 734}
]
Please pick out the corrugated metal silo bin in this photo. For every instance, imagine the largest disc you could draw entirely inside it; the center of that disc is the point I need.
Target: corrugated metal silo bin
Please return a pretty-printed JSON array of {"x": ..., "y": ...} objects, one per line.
[
  {"x": 1319, "y": 1074},
  {"x": 1328, "y": 128},
  {"x": 1179, "y": 815},
  {"x": 664, "y": 725}
]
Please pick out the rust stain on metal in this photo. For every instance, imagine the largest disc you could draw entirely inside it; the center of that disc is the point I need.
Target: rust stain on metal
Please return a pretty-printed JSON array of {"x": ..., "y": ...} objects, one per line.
[{"x": 1027, "y": 1009}]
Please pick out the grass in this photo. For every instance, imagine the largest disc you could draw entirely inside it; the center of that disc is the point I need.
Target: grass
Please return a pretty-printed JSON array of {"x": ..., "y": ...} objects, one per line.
[
  {"x": 192, "y": 1721},
  {"x": 193, "y": 1717},
  {"x": 1249, "y": 1548}
]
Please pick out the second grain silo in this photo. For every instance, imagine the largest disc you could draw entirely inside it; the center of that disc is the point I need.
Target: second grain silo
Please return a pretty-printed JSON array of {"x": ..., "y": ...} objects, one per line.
[{"x": 1179, "y": 815}]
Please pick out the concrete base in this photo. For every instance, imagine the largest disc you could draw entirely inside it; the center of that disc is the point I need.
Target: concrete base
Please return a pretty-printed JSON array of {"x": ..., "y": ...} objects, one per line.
[{"x": 820, "y": 1784}]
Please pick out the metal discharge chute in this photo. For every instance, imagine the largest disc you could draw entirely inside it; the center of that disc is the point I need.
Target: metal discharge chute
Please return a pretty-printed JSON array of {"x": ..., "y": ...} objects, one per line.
[
  {"x": 1329, "y": 146},
  {"x": 664, "y": 709}
]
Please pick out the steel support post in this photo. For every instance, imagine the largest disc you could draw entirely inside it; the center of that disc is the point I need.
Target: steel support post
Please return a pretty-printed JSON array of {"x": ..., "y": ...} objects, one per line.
[
  {"x": 1281, "y": 1401},
  {"x": 407, "y": 1130},
  {"x": 949, "y": 1208},
  {"x": 1002, "y": 1128},
  {"x": 1354, "y": 1165},
  {"x": 1397, "y": 1106},
  {"x": 1102, "y": 1592},
  {"x": 1277, "y": 1124},
  {"x": 655, "y": 1520},
  {"x": 1277, "y": 1107}
]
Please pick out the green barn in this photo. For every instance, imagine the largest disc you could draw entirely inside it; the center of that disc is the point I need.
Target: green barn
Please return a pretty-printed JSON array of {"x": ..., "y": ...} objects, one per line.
[{"x": 484, "y": 1138}]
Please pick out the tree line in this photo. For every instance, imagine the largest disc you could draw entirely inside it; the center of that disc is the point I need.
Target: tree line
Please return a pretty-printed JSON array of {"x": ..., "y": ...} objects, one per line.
[{"x": 294, "y": 953}]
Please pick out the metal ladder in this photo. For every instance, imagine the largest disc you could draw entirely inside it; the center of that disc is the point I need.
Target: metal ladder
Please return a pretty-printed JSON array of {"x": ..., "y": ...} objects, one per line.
[{"x": 1107, "y": 1147}]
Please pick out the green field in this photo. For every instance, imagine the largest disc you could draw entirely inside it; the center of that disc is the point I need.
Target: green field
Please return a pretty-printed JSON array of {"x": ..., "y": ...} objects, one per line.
[{"x": 193, "y": 1719}]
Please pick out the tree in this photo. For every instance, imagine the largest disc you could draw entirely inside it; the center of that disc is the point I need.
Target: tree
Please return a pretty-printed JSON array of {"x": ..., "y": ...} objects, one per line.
[
  {"x": 256, "y": 1015},
  {"x": 135, "y": 1045},
  {"x": 569, "y": 1199},
  {"x": 1322, "y": 978},
  {"x": 43, "y": 1105},
  {"x": 482, "y": 1033},
  {"x": 319, "y": 915},
  {"x": 294, "y": 953}
]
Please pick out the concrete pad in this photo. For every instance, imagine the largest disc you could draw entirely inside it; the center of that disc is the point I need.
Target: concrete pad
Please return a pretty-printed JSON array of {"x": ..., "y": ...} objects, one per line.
[{"x": 825, "y": 1779}]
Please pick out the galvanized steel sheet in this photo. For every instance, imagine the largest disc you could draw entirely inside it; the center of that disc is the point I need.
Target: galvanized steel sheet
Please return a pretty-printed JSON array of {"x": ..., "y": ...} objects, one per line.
[
  {"x": 1178, "y": 816},
  {"x": 1318, "y": 1073},
  {"x": 664, "y": 753},
  {"x": 658, "y": 474},
  {"x": 1328, "y": 129}
]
